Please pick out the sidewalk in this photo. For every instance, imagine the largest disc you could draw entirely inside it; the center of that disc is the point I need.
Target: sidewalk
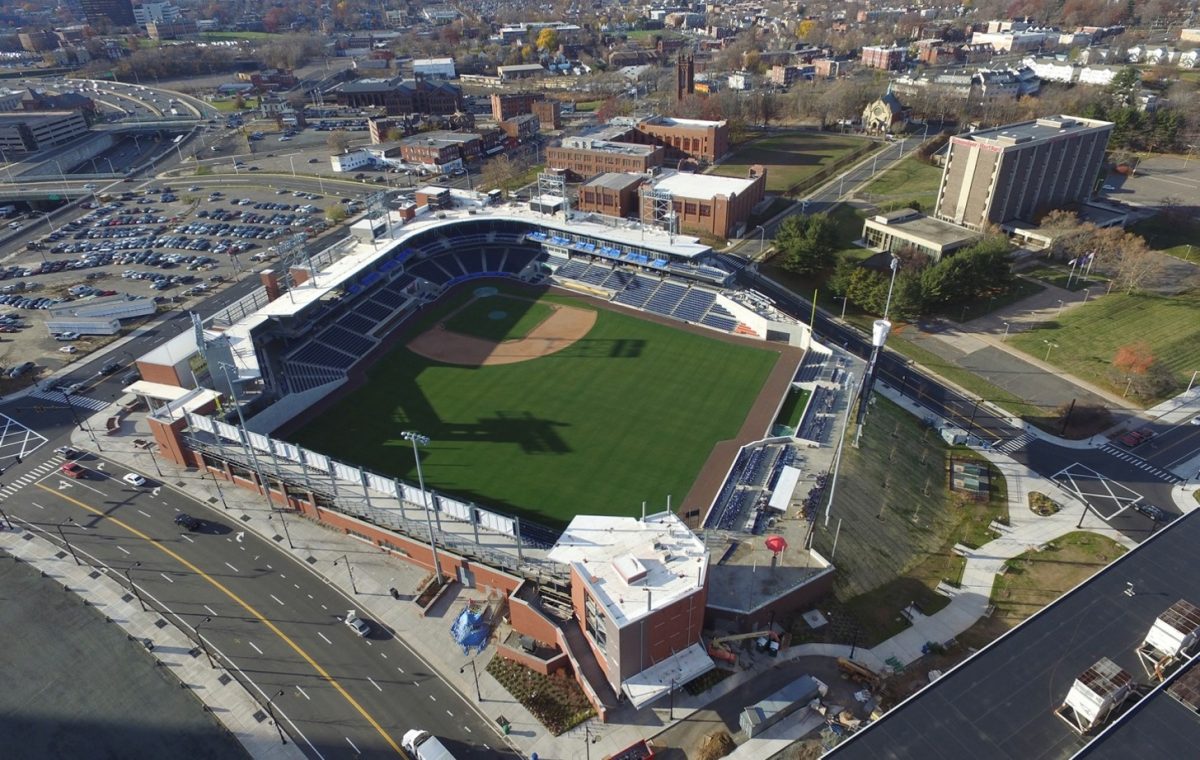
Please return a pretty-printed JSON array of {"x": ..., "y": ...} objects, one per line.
[{"x": 222, "y": 693}]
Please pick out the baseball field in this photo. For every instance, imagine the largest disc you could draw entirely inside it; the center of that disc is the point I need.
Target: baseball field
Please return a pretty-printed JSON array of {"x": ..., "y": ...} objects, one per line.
[{"x": 546, "y": 405}]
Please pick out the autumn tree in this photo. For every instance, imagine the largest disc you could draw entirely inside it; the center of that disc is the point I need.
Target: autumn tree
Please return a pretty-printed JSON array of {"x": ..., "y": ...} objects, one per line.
[
  {"x": 1134, "y": 358},
  {"x": 338, "y": 140},
  {"x": 547, "y": 39}
]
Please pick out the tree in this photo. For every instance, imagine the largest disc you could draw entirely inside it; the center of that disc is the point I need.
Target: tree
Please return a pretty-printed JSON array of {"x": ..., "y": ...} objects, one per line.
[
  {"x": 1134, "y": 358},
  {"x": 338, "y": 140},
  {"x": 807, "y": 243},
  {"x": 336, "y": 213},
  {"x": 547, "y": 39},
  {"x": 805, "y": 28}
]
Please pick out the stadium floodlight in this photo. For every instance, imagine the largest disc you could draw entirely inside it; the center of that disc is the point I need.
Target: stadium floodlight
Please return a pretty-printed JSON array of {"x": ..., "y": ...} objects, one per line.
[{"x": 417, "y": 438}]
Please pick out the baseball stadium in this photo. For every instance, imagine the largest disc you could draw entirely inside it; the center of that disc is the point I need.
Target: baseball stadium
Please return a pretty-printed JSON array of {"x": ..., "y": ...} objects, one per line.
[{"x": 520, "y": 376}]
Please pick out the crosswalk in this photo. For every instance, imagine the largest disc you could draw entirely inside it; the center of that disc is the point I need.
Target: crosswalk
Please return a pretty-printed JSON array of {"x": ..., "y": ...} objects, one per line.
[
  {"x": 82, "y": 402},
  {"x": 35, "y": 473},
  {"x": 1020, "y": 442},
  {"x": 1142, "y": 464}
]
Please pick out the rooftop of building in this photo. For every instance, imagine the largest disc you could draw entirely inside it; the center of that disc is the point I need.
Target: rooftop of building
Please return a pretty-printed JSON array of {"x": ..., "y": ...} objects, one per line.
[
  {"x": 1038, "y": 130},
  {"x": 615, "y": 180},
  {"x": 702, "y": 186},
  {"x": 386, "y": 84},
  {"x": 633, "y": 566},
  {"x": 433, "y": 61},
  {"x": 608, "y": 146},
  {"x": 915, "y": 224},
  {"x": 521, "y": 67},
  {"x": 1000, "y": 702},
  {"x": 439, "y": 136},
  {"x": 671, "y": 121}
]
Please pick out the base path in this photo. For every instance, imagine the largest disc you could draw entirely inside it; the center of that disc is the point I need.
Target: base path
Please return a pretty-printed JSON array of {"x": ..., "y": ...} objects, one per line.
[{"x": 564, "y": 326}]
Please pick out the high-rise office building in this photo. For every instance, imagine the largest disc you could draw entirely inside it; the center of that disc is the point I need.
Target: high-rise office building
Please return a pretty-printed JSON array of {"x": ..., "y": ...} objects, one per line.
[
  {"x": 118, "y": 12},
  {"x": 1021, "y": 171}
]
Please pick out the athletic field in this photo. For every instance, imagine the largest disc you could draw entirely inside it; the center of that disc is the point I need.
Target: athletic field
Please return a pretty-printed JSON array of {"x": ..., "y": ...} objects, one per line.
[{"x": 627, "y": 411}]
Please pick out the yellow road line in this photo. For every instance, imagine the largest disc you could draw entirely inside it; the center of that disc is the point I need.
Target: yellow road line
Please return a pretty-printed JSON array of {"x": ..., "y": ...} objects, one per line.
[{"x": 245, "y": 605}]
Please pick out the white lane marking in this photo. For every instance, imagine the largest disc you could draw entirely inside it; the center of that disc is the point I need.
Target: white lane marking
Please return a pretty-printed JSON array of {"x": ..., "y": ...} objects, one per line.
[
  {"x": 210, "y": 609},
  {"x": 400, "y": 669},
  {"x": 167, "y": 577},
  {"x": 468, "y": 729},
  {"x": 310, "y": 596},
  {"x": 433, "y": 697},
  {"x": 122, "y": 548},
  {"x": 327, "y": 641},
  {"x": 383, "y": 655},
  {"x": 450, "y": 713},
  {"x": 39, "y": 506},
  {"x": 256, "y": 649},
  {"x": 281, "y": 604},
  {"x": 377, "y": 686},
  {"x": 231, "y": 567},
  {"x": 143, "y": 514},
  {"x": 296, "y": 585},
  {"x": 324, "y": 607},
  {"x": 240, "y": 535},
  {"x": 187, "y": 538},
  {"x": 303, "y": 693},
  {"x": 352, "y": 744}
]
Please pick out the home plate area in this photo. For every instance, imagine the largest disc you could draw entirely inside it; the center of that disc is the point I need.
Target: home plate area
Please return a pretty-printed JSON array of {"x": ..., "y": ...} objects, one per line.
[{"x": 1107, "y": 498}]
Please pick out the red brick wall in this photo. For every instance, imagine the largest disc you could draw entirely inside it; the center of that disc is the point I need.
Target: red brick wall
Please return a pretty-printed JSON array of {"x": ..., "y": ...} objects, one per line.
[
  {"x": 159, "y": 373},
  {"x": 545, "y": 667}
]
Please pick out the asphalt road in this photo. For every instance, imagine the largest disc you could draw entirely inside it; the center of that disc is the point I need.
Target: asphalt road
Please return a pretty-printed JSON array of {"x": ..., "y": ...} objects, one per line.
[{"x": 277, "y": 622}]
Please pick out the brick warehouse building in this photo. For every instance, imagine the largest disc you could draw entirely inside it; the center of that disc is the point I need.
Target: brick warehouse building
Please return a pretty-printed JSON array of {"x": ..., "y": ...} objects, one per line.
[
  {"x": 1020, "y": 171},
  {"x": 401, "y": 96},
  {"x": 611, "y": 194},
  {"x": 683, "y": 138},
  {"x": 708, "y": 204},
  {"x": 587, "y": 157}
]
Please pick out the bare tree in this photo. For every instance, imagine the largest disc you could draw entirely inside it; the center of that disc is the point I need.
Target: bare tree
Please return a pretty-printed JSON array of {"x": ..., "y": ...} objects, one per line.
[{"x": 338, "y": 140}]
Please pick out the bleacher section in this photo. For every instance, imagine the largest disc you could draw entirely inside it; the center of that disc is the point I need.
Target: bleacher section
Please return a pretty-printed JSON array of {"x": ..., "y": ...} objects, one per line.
[
  {"x": 400, "y": 282},
  {"x": 638, "y": 291},
  {"x": 810, "y": 368},
  {"x": 818, "y": 417},
  {"x": 720, "y": 318}
]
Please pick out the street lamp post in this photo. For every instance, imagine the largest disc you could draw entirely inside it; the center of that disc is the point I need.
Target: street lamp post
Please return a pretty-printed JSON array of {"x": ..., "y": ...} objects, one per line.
[
  {"x": 204, "y": 644},
  {"x": 845, "y": 300},
  {"x": 154, "y": 459},
  {"x": 1006, "y": 326},
  {"x": 292, "y": 162},
  {"x": 762, "y": 238},
  {"x": 78, "y": 424},
  {"x": 1061, "y": 304},
  {"x": 671, "y": 703},
  {"x": 1050, "y": 345},
  {"x": 133, "y": 587},
  {"x": 349, "y": 571},
  {"x": 271, "y": 712},
  {"x": 63, "y": 536},
  {"x": 7, "y": 522},
  {"x": 1086, "y": 293},
  {"x": 220, "y": 493},
  {"x": 417, "y": 438},
  {"x": 478, "y": 693}
]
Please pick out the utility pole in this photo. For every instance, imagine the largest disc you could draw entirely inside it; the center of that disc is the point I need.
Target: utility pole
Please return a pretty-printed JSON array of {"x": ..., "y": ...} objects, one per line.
[
  {"x": 133, "y": 587},
  {"x": 416, "y": 438}
]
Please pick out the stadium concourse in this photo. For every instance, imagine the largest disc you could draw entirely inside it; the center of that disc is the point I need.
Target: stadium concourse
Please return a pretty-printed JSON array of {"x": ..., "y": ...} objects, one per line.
[{"x": 222, "y": 390}]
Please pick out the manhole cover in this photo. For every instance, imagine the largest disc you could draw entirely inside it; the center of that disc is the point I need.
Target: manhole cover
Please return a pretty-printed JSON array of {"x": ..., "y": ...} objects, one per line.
[
  {"x": 93, "y": 575},
  {"x": 60, "y": 555},
  {"x": 259, "y": 716},
  {"x": 245, "y": 518},
  {"x": 224, "y": 679},
  {"x": 127, "y": 598},
  {"x": 311, "y": 560},
  {"x": 277, "y": 537},
  {"x": 160, "y": 623}
]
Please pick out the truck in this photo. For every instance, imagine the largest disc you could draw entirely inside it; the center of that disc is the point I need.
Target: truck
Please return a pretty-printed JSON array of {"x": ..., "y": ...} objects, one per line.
[
  {"x": 424, "y": 746},
  {"x": 7, "y": 211}
]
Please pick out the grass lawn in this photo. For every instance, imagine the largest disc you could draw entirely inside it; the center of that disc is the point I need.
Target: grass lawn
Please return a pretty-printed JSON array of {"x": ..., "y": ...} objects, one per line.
[
  {"x": 1037, "y": 578},
  {"x": 1178, "y": 238},
  {"x": 1057, "y": 275},
  {"x": 628, "y": 413},
  {"x": 498, "y": 318},
  {"x": 909, "y": 180},
  {"x": 556, "y": 701},
  {"x": 790, "y": 158},
  {"x": 1088, "y": 336},
  {"x": 899, "y": 523},
  {"x": 793, "y": 408}
]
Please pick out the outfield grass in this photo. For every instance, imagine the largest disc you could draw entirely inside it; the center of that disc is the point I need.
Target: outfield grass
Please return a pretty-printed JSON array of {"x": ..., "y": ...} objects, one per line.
[
  {"x": 629, "y": 413},
  {"x": 789, "y": 158},
  {"x": 909, "y": 180},
  {"x": 1088, "y": 336},
  {"x": 498, "y": 318}
]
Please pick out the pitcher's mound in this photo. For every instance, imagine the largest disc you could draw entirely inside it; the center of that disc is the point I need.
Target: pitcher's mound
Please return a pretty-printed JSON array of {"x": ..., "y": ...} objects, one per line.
[{"x": 564, "y": 326}]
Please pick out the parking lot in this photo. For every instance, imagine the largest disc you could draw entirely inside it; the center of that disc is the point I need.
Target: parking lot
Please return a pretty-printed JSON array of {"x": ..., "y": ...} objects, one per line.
[{"x": 169, "y": 241}]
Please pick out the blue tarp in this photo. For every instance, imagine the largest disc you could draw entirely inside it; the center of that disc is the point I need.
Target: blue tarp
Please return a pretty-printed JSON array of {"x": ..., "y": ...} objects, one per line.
[{"x": 469, "y": 631}]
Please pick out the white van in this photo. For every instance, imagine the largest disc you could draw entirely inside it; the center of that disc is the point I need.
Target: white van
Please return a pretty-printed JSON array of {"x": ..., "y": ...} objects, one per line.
[{"x": 425, "y": 746}]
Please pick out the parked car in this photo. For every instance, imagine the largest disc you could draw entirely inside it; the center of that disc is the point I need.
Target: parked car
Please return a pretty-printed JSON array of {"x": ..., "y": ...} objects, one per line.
[
  {"x": 133, "y": 479},
  {"x": 68, "y": 350},
  {"x": 1156, "y": 514}
]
